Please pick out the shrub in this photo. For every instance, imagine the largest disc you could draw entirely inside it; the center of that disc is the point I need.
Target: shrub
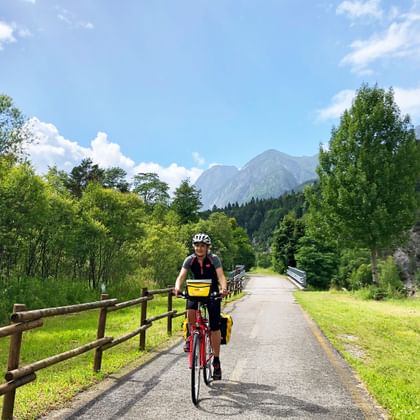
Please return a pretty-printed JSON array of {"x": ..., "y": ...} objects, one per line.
[
  {"x": 389, "y": 278},
  {"x": 361, "y": 277}
]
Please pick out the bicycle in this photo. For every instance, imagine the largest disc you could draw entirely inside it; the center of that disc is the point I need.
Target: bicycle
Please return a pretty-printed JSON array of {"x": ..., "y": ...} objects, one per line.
[{"x": 201, "y": 353}]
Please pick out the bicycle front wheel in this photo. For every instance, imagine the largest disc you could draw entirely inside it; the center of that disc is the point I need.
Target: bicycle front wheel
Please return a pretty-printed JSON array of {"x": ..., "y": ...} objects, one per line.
[
  {"x": 208, "y": 367},
  {"x": 195, "y": 368}
]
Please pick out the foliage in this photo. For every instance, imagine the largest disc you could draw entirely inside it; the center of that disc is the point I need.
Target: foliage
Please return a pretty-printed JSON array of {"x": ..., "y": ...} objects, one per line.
[
  {"x": 260, "y": 217},
  {"x": 187, "y": 202},
  {"x": 151, "y": 188},
  {"x": 350, "y": 260},
  {"x": 389, "y": 278},
  {"x": 361, "y": 277},
  {"x": 318, "y": 259},
  {"x": 285, "y": 242},
  {"x": 368, "y": 174},
  {"x": 13, "y": 129},
  {"x": 160, "y": 254}
]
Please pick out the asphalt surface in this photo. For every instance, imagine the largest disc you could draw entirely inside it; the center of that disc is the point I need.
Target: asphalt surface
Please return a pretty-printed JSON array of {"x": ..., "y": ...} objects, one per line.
[{"x": 277, "y": 365}]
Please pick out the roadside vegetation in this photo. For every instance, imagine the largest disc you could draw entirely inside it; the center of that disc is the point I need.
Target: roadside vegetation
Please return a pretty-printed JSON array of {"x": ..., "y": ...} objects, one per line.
[{"x": 380, "y": 340}]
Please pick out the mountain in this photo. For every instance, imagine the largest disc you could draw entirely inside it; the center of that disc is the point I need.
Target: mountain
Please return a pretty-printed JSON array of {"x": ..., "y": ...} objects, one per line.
[
  {"x": 269, "y": 174},
  {"x": 417, "y": 132},
  {"x": 212, "y": 181}
]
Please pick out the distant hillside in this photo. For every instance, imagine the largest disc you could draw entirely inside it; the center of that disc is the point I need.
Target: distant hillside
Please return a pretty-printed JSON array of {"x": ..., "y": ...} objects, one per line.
[
  {"x": 417, "y": 132},
  {"x": 268, "y": 175},
  {"x": 213, "y": 181}
]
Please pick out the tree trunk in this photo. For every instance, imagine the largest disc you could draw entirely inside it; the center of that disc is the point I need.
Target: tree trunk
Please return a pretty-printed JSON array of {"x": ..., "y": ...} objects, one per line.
[{"x": 375, "y": 275}]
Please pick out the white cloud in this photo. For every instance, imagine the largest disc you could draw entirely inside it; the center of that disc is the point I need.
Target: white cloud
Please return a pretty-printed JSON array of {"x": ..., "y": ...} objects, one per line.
[
  {"x": 408, "y": 100},
  {"x": 198, "y": 159},
  {"x": 51, "y": 148},
  {"x": 401, "y": 39},
  {"x": 341, "y": 101},
  {"x": 71, "y": 19},
  {"x": 6, "y": 34},
  {"x": 357, "y": 9},
  {"x": 172, "y": 174},
  {"x": 9, "y": 32}
]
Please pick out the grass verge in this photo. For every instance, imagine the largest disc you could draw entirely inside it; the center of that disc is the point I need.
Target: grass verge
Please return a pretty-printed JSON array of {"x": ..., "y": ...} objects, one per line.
[{"x": 380, "y": 340}]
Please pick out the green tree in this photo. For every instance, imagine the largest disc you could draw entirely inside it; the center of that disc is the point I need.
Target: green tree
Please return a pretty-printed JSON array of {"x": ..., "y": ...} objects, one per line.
[
  {"x": 81, "y": 175},
  {"x": 153, "y": 191},
  {"x": 285, "y": 242},
  {"x": 13, "y": 129},
  {"x": 115, "y": 178},
  {"x": 160, "y": 254},
  {"x": 368, "y": 174},
  {"x": 187, "y": 202}
]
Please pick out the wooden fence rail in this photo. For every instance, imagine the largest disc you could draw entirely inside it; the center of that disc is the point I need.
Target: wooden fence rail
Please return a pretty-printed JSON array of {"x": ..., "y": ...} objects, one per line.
[{"x": 24, "y": 320}]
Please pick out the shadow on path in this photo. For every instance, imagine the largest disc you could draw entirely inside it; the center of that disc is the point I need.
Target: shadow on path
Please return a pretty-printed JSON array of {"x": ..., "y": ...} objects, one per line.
[
  {"x": 231, "y": 398},
  {"x": 123, "y": 385}
]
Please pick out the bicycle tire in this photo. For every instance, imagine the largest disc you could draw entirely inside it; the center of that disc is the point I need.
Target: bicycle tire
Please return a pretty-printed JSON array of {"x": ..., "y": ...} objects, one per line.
[
  {"x": 208, "y": 367},
  {"x": 195, "y": 368}
]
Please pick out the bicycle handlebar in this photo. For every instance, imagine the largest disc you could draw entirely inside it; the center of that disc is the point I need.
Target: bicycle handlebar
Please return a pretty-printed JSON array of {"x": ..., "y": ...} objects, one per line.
[{"x": 213, "y": 296}]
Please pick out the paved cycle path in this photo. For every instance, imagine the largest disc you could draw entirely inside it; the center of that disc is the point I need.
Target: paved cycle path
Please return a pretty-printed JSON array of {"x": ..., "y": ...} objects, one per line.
[{"x": 277, "y": 365}]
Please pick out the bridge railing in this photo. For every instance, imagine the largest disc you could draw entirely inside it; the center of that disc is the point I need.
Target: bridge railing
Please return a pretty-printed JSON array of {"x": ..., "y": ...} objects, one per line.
[
  {"x": 297, "y": 275},
  {"x": 24, "y": 320}
]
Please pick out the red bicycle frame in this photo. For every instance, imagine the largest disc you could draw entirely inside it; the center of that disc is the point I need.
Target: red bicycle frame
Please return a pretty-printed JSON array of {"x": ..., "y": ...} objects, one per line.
[{"x": 200, "y": 327}]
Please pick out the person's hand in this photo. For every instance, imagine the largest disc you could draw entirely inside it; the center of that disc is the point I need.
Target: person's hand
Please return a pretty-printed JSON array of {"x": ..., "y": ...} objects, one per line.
[
  {"x": 225, "y": 292},
  {"x": 176, "y": 291}
]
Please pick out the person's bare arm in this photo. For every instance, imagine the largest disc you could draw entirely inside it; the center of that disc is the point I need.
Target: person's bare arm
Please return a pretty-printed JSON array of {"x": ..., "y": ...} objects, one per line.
[
  {"x": 180, "y": 280},
  {"x": 222, "y": 280}
]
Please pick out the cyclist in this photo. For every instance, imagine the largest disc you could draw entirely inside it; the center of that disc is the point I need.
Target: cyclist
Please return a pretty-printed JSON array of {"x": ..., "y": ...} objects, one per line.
[{"x": 205, "y": 265}]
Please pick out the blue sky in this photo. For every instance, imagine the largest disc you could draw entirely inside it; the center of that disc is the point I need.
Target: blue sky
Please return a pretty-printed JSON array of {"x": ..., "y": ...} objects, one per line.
[{"x": 176, "y": 86}]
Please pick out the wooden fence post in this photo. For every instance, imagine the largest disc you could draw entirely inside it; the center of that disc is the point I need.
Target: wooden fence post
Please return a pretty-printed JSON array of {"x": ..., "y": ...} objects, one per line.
[
  {"x": 13, "y": 363},
  {"x": 169, "y": 325},
  {"x": 143, "y": 317},
  {"x": 100, "y": 334}
]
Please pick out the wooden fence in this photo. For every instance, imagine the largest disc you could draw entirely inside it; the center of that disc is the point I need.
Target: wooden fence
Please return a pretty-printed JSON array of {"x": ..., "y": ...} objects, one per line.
[{"x": 24, "y": 320}]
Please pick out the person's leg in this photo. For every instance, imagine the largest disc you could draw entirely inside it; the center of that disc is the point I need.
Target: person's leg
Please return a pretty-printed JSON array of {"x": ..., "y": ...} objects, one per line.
[
  {"x": 215, "y": 337},
  {"x": 215, "y": 342},
  {"x": 191, "y": 316}
]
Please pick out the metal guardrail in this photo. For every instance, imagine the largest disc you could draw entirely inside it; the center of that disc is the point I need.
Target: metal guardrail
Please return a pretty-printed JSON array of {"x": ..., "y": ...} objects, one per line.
[{"x": 297, "y": 275}]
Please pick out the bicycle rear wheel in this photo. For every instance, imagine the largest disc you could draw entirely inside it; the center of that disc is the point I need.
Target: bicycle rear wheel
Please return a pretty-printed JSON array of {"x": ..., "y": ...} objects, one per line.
[
  {"x": 195, "y": 368},
  {"x": 208, "y": 367}
]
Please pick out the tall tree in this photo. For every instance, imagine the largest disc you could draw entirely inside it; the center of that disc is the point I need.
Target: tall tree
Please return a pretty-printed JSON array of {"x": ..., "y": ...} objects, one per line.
[
  {"x": 13, "y": 131},
  {"x": 153, "y": 191},
  {"x": 368, "y": 174},
  {"x": 115, "y": 178},
  {"x": 81, "y": 175},
  {"x": 187, "y": 202}
]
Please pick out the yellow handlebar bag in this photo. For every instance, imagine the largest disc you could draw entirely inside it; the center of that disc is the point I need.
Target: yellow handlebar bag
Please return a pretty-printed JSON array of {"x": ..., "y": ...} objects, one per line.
[{"x": 198, "y": 288}]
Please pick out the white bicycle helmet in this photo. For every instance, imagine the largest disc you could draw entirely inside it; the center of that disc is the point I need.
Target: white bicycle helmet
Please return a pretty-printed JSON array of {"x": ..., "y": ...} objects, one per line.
[{"x": 201, "y": 237}]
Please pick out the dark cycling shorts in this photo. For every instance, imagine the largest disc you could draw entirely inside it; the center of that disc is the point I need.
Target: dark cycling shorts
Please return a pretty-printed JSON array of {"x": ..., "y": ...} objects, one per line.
[{"x": 213, "y": 307}]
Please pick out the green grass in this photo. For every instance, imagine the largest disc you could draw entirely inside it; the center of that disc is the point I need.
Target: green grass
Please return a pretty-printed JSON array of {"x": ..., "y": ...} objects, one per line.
[
  {"x": 380, "y": 340},
  {"x": 60, "y": 382}
]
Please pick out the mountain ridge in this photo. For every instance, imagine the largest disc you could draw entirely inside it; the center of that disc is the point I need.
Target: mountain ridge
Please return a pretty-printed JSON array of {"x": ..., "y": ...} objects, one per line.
[{"x": 267, "y": 175}]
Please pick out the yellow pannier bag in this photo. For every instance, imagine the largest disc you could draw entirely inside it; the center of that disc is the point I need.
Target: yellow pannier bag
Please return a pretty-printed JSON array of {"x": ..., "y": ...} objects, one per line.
[
  {"x": 185, "y": 328},
  {"x": 198, "y": 288},
  {"x": 226, "y": 323}
]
